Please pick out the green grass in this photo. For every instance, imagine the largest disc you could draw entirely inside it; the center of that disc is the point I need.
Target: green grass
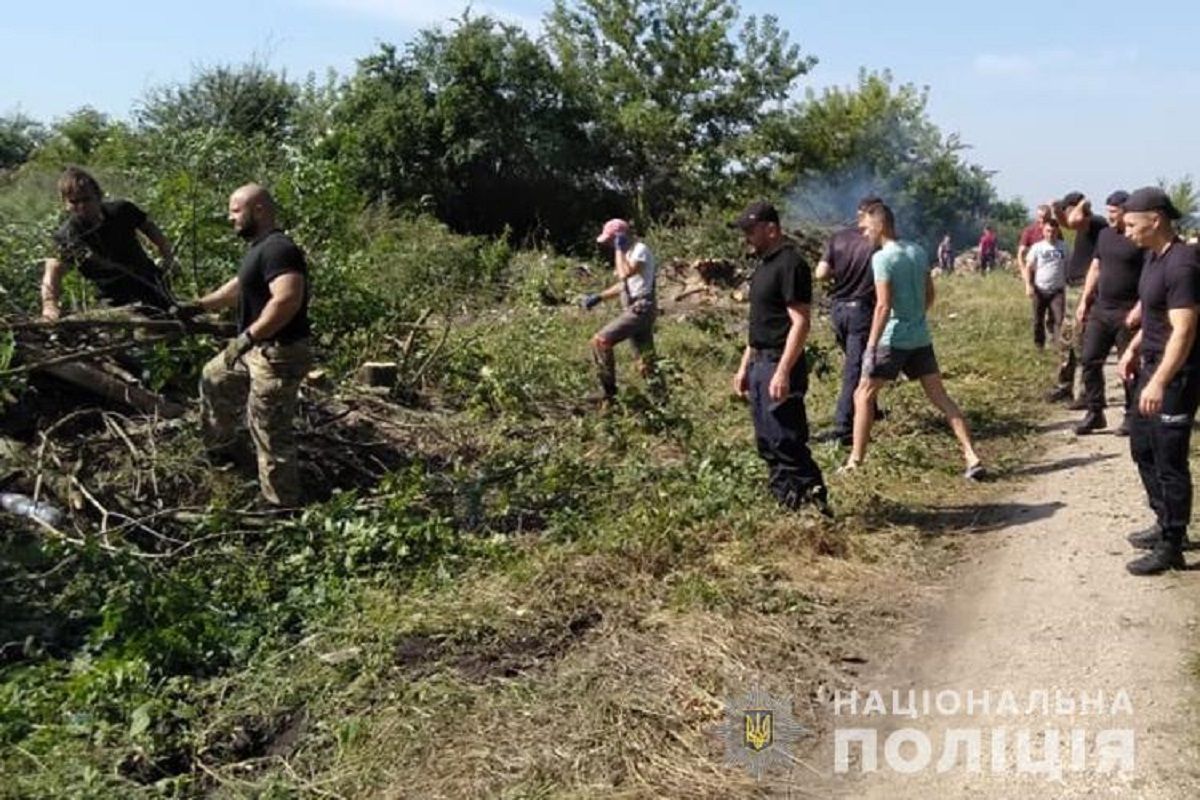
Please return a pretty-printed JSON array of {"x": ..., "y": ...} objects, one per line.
[{"x": 545, "y": 603}]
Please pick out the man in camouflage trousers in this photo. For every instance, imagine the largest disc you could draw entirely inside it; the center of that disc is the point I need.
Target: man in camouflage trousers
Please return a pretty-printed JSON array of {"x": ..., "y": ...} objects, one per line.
[{"x": 259, "y": 373}]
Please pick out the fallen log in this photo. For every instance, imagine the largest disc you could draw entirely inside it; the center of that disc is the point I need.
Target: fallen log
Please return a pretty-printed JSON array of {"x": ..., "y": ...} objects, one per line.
[
  {"x": 95, "y": 380},
  {"x": 223, "y": 329}
]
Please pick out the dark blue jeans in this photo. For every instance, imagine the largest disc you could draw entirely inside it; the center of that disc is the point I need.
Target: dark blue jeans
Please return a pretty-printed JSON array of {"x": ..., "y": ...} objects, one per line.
[
  {"x": 851, "y": 327},
  {"x": 1160, "y": 447},
  {"x": 781, "y": 433}
]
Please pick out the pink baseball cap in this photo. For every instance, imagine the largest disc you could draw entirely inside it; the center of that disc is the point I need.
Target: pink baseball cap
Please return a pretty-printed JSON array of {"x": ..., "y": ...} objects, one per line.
[{"x": 612, "y": 229}]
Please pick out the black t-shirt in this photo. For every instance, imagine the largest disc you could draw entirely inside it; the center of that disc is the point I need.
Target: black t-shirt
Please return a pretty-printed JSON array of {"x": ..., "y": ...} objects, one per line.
[
  {"x": 1168, "y": 281},
  {"x": 109, "y": 254},
  {"x": 270, "y": 256},
  {"x": 849, "y": 256},
  {"x": 1120, "y": 268},
  {"x": 1083, "y": 250},
  {"x": 782, "y": 277}
]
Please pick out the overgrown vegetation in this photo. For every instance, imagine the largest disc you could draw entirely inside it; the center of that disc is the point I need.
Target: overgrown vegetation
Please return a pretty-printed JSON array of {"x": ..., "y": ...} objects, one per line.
[{"x": 496, "y": 592}]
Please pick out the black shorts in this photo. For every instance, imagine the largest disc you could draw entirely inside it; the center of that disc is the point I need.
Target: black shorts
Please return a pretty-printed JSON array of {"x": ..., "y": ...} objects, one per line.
[{"x": 887, "y": 363}]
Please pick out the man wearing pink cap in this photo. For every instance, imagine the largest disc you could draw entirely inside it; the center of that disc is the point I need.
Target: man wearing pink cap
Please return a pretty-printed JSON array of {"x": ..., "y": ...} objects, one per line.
[{"x": 633, "y": 264}]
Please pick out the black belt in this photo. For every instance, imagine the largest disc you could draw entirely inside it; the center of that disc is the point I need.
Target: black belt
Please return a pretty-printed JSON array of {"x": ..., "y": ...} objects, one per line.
[{"x": 850, "y": 303}]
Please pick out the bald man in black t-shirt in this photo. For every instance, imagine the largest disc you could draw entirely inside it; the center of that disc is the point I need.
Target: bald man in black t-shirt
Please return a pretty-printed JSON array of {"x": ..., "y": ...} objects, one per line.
[{"x": 259, "y": 373}]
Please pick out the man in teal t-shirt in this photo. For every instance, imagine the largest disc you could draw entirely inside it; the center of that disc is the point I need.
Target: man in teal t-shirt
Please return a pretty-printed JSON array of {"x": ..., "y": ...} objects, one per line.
[
  {"x": 902, "y": 266},
  {"x": 899, "y": 340}
]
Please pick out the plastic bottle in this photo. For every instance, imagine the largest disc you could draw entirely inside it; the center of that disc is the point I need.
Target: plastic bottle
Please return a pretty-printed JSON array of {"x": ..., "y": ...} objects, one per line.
[{"x": 23, "y": 506}]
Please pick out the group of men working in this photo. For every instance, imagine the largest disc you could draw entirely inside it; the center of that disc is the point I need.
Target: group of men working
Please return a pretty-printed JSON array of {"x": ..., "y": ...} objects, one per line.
[
  {"x": 1141, "y": 292},
  {"x": 256, "y": 378}
]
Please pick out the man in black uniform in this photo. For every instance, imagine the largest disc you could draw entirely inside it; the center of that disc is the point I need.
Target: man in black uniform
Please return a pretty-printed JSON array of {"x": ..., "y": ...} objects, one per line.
[
  {"x": 100, "y": 237},
  {"x": 773, "y": 372},
  {"x": 259, "y": 373},
  {"x": 1075, "y": 212},
  {"x": 1163, "y": 362},
  {"x": 847, "y": 263},
  {"x": 1105, "y": 312}
]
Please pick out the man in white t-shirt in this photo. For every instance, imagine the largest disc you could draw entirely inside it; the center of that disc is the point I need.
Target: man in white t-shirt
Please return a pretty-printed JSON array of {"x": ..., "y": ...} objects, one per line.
[
  {"x": 633, "y": 265},
  {"x": 1045, "y": 269}
]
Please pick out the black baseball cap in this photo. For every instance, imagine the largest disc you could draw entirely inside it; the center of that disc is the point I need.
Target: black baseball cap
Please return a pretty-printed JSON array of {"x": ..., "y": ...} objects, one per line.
[
  {"x": 1117, "y": 198},
  {"x": 1072, "y": 199},
  {"x": 1152, "y": 198},
  {"x": 758, "y": 211}
]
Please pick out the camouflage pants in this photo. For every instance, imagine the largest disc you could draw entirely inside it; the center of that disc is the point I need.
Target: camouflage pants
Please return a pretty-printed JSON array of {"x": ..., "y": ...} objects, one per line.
[{"x": 263, "y": 388}]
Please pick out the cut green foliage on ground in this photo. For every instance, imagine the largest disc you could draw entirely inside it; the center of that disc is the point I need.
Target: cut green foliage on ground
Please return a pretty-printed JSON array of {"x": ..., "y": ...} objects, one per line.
[{"x": 537, "y": 601}]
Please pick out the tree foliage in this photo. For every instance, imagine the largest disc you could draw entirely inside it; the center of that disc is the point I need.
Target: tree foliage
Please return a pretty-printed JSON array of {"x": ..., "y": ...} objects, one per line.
[
  {"x": 20, "y": 136},
  {"x": 246, "y": 100},
  {"x": 877, "y": 138},
  {"x": 679, "y": 88},
  {"x": 476, "y": 124}
]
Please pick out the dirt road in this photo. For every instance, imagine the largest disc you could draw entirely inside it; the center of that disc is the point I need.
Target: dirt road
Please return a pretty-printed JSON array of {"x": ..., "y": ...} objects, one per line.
[{"x": 1042, "y": 603}]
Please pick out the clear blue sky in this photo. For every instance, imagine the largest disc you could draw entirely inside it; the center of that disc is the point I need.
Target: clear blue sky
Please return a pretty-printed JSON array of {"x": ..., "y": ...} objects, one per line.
[{"x": 1052, "y": 96}]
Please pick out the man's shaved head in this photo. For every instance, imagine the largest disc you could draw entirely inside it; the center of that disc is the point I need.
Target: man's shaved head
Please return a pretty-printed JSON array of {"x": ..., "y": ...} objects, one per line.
[{"x": 251, "y": 210}]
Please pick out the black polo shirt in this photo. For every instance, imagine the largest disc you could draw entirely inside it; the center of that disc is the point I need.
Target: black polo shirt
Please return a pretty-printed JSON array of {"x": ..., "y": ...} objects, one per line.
[
  {"x": 1083, "y": 250},
  {"x": 270, "y": 256},
  {"x": 781, "y": 278},
  {"x": 1120, "y": 269},
  {"x": 849, "y": 257},
  {"x": 110, "y": 255},
  {"x": 1170, "y": 280}
]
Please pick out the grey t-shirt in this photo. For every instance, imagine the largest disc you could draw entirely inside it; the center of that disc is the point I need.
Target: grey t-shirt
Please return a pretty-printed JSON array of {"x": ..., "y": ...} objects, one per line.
[{"x": 1049, "y": 263}]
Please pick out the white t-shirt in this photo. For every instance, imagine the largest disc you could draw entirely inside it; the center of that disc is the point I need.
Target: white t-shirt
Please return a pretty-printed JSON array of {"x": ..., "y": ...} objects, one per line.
[
  {"x": 641, "y": 284},
  {"x": 1049, "y": 263}
]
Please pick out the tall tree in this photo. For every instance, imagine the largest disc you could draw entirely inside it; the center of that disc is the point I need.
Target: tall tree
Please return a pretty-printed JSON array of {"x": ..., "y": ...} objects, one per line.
[
  {"x": 247, "y": 100},
  {"x": 477, "y": 123},
  {"x": 679, "y": 88}
]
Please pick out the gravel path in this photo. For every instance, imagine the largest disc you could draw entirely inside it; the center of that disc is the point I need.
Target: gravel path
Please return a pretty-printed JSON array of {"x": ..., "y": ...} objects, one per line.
[{"x": 1044, "y": 604}]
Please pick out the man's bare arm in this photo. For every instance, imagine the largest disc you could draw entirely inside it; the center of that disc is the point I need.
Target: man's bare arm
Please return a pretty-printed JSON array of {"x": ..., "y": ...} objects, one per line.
[
  {"x": 287, "y": 296},
  {"x": 52, "y": 276},
  {"x": 224, "y": 297},
  {"x": 159, "y": 240},
  {"x": 1179, "y": 345}
]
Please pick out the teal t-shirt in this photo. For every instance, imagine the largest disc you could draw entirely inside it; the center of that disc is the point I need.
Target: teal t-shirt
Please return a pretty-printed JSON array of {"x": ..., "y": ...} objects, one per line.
[{"x": 905, "y": 266}]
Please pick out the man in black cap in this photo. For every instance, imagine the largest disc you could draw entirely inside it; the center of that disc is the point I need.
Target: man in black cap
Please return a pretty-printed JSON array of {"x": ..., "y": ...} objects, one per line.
[
  {"x": 847, "y": 263},
  {"x": 1105, "y": 312},
  {"x": 1074, "y": 211},
  {"x": 1163, "y": 363},
  {"x": 773, "y": 372}
]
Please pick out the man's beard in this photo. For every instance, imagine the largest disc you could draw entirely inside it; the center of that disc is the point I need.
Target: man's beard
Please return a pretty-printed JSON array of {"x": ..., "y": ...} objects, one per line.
[{"x": 249, "y": 231}]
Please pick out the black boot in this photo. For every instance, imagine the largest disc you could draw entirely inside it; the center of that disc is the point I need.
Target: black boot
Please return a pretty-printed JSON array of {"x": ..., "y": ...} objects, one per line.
[
  {"x": 1126, "y": 426},
  {"x": 1147, "y": 538},
  {"x": 1166, "y": 555},
  {"x": 1092, "y": 421},
  {"x": 1058, "y": 394}
]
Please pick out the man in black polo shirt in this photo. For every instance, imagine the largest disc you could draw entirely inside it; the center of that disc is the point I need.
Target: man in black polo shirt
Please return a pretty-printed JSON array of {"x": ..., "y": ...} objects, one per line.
[
  {"x": 259, "y": 372},
  {"x": 1163, "y": 363},
  {"x": 1075, "y": 212},
  {"x": 847, "y": 263},
  {"x": 1105, "y": 311},
  {"x": 773, "y": 372},
  {"x": 100, "y": 238}
]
